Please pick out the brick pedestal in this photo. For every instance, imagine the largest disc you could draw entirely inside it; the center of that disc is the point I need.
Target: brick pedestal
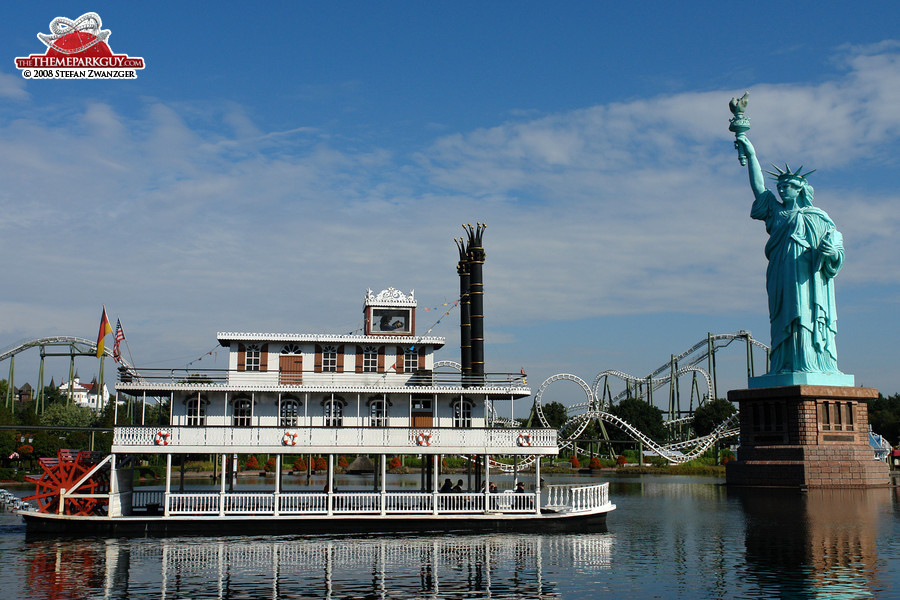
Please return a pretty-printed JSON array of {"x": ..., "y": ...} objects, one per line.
[{"x": 805, "y": 436}]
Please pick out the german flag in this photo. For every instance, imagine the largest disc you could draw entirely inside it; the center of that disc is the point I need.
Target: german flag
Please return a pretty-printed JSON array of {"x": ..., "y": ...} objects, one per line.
[{"x": 105, "y": 328}]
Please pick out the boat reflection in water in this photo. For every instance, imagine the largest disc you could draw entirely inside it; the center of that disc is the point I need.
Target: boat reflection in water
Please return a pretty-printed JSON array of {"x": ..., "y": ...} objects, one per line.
[{"x": 483, "y": 566}]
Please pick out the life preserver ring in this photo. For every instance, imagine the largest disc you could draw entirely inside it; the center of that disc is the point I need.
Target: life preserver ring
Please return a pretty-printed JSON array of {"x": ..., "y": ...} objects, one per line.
[
  {"x": 423, "y": 439},
  {"x": 289, "y": 439},
  {"x": 524, "y": 439},
  {"x": 162, "y": 438}
]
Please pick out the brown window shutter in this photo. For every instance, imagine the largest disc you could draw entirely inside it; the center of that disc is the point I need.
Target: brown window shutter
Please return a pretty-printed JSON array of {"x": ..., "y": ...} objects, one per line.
[
  {"x": 381, "y": 359},
  {"x": 401, "y": 359},
  {"x": 242, "y": 357},
  {"x": 264, "y": 358},
  {"x": 422, "y": 358},
  {"x": 359, "y": 359},
  {"x": 340, "y": 359},
  {"x": 317, "y": 364}
]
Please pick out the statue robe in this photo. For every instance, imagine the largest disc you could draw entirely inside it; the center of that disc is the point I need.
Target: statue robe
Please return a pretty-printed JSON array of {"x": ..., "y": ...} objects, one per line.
[{"x": 800, "y": 285}]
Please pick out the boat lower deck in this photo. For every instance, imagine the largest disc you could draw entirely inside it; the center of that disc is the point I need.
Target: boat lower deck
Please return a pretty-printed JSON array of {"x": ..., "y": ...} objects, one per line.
[{"x": 178, "y": 525}]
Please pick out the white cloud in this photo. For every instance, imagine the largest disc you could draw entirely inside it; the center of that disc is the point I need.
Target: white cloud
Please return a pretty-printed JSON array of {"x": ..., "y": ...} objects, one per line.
[
  {"x": 12, "y": 87},
  {"x": 187, "y": 227}
]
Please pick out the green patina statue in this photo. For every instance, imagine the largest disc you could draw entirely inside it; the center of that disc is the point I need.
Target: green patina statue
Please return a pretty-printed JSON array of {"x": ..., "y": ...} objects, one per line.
[{"x": 805, "y": 253}]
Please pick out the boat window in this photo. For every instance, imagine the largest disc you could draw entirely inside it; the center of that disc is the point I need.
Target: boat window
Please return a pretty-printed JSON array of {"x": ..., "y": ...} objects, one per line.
[
  {"x": 377, "y": 413},
  {"x": 411, "y": 360},
  {"x": 290, "y": 412},
  {"x": 251, "y": 361},
  {"x": 334, "y": 412},
  {"x": 329, "y": 359},
  {"x": 196, "y": 412},
  {"x": 370, "y": 359},
  {"x": 421, "y": 404},
  {"x": 462, "y": 413},
  {"x": 242, "y": 412}
]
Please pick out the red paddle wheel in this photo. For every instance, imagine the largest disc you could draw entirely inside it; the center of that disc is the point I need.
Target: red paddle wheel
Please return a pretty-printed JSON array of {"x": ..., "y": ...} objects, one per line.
[{"x": 62, "y": 473}]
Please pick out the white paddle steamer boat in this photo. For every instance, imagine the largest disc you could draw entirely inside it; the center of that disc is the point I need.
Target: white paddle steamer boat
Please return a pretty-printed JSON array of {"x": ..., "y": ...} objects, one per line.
[{"x": 380, "y": 394}]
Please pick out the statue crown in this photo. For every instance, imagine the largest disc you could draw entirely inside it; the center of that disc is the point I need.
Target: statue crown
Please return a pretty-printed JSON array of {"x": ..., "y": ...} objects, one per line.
[{"x": 788, "y": 173}]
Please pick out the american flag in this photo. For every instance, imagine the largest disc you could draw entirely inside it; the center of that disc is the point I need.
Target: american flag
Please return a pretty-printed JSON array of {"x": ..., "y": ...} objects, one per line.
[{"x": 120, "y": 335}]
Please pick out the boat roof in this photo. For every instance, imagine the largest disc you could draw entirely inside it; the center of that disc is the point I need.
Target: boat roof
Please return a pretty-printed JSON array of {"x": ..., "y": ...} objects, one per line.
[{"x": 227, "y": 337}]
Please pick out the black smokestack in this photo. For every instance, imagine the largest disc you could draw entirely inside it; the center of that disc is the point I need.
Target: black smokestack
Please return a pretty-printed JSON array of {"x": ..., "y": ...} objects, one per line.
[
  {"x": 476, "y": 255},
  {"x": 465, "y": 325}
]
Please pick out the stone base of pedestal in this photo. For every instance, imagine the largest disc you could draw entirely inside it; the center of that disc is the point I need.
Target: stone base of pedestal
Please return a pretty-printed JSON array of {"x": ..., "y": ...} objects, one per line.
[{"x": 805, "y": 436}]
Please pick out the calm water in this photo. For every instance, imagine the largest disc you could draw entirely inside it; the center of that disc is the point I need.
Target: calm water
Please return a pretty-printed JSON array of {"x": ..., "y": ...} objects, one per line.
[{"x": 671, "y": 537}]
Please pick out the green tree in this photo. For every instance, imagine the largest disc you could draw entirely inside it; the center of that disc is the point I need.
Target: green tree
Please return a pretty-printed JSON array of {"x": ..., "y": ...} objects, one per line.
[
  {"x": 8, "y": 443},
  {"x": 711, "y": 414},
  {"x": 643, "y": 416},
  {"x": 884, "y": 417},
  {"x": 67, "y": 415}
]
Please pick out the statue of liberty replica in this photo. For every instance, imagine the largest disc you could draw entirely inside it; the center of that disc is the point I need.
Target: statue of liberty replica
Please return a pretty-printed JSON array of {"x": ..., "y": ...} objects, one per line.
[
  {"x": 805, "y": 252},
  {"x": 803, "y": 416}
]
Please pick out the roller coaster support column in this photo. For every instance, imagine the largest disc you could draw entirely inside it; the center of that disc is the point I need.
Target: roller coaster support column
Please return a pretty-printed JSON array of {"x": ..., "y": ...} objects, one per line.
[
  {"x": 39, "y": 396},
  {"x": 749, "y": 356},
  {"x": 70, "y": 392},
  {"x": 711, "y": 364},
  {"x": 9, "y": 382},
  {"x": 673, "y": 389}
]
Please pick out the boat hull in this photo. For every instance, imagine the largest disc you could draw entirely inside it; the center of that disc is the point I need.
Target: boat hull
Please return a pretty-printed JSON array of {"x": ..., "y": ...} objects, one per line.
[{"x": 39, "y": 523}]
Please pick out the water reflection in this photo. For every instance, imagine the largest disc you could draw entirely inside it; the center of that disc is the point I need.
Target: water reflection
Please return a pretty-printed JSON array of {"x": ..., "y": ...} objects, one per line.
[
  {"x": 389, "y": 567},
  {"x": 822, "y": 543}
]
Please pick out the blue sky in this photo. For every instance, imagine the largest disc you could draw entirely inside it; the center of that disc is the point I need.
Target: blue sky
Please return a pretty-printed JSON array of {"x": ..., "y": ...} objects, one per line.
[{"x": 275, "y": 160}]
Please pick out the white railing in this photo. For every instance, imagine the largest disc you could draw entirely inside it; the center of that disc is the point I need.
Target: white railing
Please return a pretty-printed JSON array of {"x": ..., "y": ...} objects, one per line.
[
  {"x": 512, "y": 502},
  {"x": 272, "y": 377},
  {"x": 356, "y": 503},
  {"x": 142, "y": 498},
  {"x": 311, "y": 503},
  {"x": 578, "y": 497},
  {"x": 296, "y": 439},
  {"x": 415, "y": 503},
  {"x": 194, "y": 504},
  {"x": 460, "y": 503},
  {"x": 249, "y": 503},
  {"x": 303, "y": 503}
]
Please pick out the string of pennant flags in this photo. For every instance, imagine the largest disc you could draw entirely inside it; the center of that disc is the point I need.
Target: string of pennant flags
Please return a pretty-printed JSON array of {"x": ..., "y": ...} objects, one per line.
[
  {"x": 452, "y": 305},
  {"x": 212, "y": 353}
]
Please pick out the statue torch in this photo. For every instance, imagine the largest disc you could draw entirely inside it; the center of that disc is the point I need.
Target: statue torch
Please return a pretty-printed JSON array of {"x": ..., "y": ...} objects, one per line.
[{"x": 739, "y": 123}]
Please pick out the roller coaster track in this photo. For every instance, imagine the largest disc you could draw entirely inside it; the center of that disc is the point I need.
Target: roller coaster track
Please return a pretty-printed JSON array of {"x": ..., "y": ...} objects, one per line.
[
  {"x": 78, "y": 346},
  {"x": 693, "y": 356},
  {"x": 698, "y": 445},
  {"x": 597, "y": 402}
]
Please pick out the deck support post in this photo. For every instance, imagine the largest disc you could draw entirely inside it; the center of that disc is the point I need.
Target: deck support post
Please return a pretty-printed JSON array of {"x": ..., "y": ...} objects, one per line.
[
  {"x": 487, "y": 482},
  {"x": 330, "y": 485},
  {"x": 277, "y": 483},
  {"x": 168, "y": 485},
  {"x": 435, "y": 459},
  {"x": 537, "y": 484},
  {"x": 383, "y": 484},
  {"x": 222, "y": 486}
]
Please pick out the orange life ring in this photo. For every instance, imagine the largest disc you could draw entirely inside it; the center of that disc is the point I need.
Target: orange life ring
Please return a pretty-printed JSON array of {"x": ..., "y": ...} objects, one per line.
[
  {"x": 423, "y": 439},
  {"x": 162, "y": 438},
  {"x": 289, "y": 439},
  {"x": 524, "y": 439}
]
